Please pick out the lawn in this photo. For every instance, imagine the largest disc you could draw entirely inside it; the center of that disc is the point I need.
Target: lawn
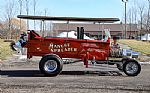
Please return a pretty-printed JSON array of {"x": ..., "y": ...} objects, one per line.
[
  {"x": 138, "y": 46},
  {"x": 5, "y": 50}
]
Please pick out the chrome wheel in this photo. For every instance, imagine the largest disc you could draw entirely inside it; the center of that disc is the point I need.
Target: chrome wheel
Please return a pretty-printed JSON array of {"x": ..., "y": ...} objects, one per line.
[
  {"x": 132, "y": 68},
  {"x": 50, "y": 66}
]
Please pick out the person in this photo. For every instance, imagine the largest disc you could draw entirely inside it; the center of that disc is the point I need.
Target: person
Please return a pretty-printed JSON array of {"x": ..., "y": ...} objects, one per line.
[
  {"x": 22, "y": 39},
  {"x": 115, "y": 48},
  {"x": 107, "y": 35},
  {"x": 21, "y": 43}
]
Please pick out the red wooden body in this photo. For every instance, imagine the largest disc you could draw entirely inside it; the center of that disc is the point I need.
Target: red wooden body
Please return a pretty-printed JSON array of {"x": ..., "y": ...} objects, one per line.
[{"x": 67, "y": 47}]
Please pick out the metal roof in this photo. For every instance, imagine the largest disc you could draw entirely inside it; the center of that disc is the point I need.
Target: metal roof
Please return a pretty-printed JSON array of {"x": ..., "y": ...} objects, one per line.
[{"x": 43, "y": 18}]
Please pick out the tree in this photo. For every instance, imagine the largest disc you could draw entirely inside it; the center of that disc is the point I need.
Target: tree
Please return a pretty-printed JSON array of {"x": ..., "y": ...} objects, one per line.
[
  {"x": 34, "y": 8},
  {"x": 148, "y": 19},
  {"x": 141, "y": 7},
  {"x": 141, "y": 15},
  {"x": 15, "y": 27},
  {"x": 10, "y": 12}
]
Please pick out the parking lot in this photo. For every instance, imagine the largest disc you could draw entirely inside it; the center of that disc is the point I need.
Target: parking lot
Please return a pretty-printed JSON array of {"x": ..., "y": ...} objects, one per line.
[{"x": 19, "y": 76}]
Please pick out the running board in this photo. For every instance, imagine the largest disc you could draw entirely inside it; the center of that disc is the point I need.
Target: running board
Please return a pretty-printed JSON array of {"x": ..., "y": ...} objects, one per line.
[{"x": 109, "y": 62}]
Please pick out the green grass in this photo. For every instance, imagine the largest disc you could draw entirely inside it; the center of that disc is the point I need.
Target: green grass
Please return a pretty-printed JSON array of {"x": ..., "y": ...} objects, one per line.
[
  {"x": 138, "y": 46},
  {"x": 5, "y": 50}
]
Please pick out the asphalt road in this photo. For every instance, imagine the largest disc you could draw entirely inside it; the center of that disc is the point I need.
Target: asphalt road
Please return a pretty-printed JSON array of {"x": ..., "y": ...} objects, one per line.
[{"x": 19, "y": 76}]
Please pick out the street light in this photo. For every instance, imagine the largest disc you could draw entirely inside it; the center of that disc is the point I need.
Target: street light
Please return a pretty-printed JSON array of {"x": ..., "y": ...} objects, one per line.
[{"x": 125, "y": 33}]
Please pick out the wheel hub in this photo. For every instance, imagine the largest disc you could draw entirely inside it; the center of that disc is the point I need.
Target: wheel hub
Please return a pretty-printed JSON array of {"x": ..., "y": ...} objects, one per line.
[
  {"x": 50, "y": 66},
  {"x": 131, "y": 68}
]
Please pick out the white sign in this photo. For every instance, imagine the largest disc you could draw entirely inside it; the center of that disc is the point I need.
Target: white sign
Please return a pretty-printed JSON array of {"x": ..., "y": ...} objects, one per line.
[{"x": 61, "y": 48}]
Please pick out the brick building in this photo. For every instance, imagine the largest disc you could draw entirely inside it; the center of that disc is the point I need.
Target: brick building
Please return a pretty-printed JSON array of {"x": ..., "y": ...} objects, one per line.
[{"x": 97, "y": 29}]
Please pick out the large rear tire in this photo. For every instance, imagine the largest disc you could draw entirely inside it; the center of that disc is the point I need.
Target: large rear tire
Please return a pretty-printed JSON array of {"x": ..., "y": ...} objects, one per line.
[
  {"x": 51, "y": 65},
  {"x": 131, "y": 68}
]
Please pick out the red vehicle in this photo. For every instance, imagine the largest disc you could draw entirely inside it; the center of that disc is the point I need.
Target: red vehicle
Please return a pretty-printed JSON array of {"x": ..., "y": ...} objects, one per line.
[{"x": 53, "y": 49}]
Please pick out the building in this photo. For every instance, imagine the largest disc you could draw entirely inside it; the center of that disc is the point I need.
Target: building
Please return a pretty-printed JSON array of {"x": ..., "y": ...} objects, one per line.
[{"x": 97, "y": 30}]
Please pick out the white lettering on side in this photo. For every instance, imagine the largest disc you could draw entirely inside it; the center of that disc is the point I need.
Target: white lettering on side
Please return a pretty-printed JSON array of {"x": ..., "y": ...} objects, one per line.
[{"x": 61, "y": 48}]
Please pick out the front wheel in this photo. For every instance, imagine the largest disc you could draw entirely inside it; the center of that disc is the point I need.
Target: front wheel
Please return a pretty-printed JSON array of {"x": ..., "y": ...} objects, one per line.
[
  {"x": 131, "y": 68},
  {"x": 50, "y": 65}
]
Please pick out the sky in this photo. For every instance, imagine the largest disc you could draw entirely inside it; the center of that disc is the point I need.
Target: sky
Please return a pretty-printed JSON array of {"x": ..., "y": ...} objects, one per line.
[
  {"x": 74, "y": 8},
  {"x": 83, "y": 8}
]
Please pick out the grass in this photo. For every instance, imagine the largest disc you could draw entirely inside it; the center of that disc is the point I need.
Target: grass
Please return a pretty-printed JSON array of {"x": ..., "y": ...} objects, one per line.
[
  {"x": 138, "y": 46},
  {"x": 5, "y": 50}
]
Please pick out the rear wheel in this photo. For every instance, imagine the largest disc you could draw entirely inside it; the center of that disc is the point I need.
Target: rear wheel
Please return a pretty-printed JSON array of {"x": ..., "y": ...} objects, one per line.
[
  {"x": 131, "y": 68},
  {"x": 50, "y": 65}
]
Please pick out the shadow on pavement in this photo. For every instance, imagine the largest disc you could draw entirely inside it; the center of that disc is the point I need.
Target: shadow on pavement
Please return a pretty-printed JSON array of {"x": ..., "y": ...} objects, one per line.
[
  {"x": 98, "y": 73},
  {"x": 37, "y": 73},
  {"x": 20, "y": 73}
]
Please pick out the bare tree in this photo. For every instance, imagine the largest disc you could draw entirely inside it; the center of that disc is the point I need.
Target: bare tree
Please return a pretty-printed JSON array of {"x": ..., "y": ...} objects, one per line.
[
  {"x": 139, "y": 15},
  {"x": 27, "y": 11},
  {"x": 34, "y": 8},
  {"x": 15, "y": 27},
  {"x": 141, "y": 8},
  {"x": 148, "y": 20},
  {"x": 132, "y": 20},
  {"x": 148, "y": 14},
  {"x": 129, "y": 20},
  {"x": 10, "y": 12},
  {"x": 20, "y": 4}
]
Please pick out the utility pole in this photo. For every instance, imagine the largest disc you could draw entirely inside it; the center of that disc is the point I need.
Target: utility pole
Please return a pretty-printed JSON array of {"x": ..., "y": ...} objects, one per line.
[{"x": 125, "y": 33}]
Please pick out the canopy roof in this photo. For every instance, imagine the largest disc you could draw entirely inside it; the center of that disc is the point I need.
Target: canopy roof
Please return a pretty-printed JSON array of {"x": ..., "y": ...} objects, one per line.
[{"x": 79, "y": 19}]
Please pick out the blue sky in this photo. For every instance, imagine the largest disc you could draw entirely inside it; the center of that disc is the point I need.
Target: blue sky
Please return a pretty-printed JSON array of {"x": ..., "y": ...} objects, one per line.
[
  {"x": 82, "y": 8},
  {"x": 77, "y": 8},
  {"x": 73, "y": 8}
]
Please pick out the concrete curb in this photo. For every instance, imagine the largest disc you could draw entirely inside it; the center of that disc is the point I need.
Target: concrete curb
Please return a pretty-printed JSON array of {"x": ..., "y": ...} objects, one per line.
[{"x": 145, "y": 63}]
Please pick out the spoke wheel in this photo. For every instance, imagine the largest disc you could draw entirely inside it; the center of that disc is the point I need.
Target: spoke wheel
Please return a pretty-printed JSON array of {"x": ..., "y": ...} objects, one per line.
[{"x": 131, "y": 68}]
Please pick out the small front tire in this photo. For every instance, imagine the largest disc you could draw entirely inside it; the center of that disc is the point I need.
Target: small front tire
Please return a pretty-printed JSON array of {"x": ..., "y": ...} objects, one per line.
[{"x": 131, "y": 68}]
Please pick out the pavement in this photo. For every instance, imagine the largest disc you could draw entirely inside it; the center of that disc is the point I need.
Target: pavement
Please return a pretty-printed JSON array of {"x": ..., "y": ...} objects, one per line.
[{"x": 20, "y": 76}]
